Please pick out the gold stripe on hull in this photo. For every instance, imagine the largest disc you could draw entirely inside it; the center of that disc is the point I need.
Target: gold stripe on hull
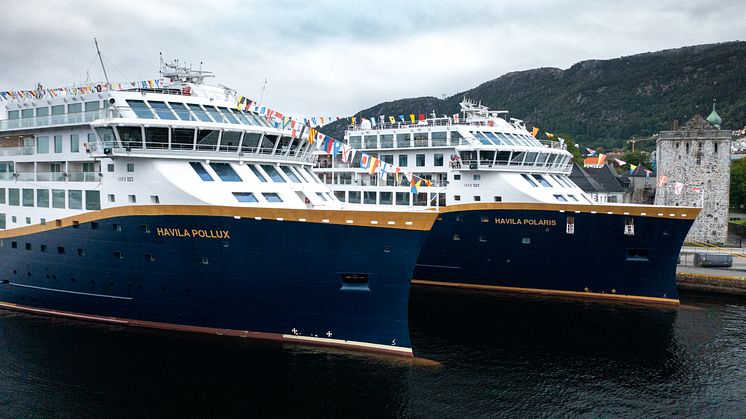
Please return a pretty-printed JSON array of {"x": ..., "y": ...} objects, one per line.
[
  {"x": 412, "y": 220},
  {"x": 682, "y": 213},
  {"x": 574, "y": 294}
]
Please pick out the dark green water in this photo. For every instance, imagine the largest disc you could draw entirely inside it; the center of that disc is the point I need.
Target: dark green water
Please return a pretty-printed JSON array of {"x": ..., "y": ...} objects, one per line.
[{"x": 499, "y": 356}]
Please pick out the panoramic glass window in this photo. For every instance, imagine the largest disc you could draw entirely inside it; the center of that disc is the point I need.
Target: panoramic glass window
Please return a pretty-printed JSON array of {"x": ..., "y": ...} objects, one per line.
[
  {"x": 201, "y": 171},
  {"x": 293, "y": 178},
  {"x": 140, "y": 109},
  {"x": 273, "y": 173},
  {"x": 272, "y": 197},
  {"x": 181, "y": 111},
  {"x": 162, "y": 110},
  {"x": 199, "y": 112},
  {"x": 245, "y": 197},
  {"x": 257, "y": 173},
  {"x": 225, "y": 172}
]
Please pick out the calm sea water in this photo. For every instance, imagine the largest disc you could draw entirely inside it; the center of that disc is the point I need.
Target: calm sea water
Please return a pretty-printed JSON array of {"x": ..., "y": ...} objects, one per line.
[{"x": 496, "y": 355}]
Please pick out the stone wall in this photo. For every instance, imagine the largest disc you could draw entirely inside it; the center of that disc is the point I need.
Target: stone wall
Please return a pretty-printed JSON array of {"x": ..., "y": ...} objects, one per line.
[{"x": 697, "y": 155}]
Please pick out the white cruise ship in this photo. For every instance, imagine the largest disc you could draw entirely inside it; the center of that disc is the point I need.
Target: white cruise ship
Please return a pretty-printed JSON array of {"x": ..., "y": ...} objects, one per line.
[
  {"x": 169, "y": 207},
  {"x": 511, "y": 218}
]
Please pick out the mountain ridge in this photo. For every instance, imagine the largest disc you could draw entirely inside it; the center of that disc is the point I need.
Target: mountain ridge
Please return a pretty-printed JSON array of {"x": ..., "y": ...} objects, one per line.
[{"x": 602, "y": 103}]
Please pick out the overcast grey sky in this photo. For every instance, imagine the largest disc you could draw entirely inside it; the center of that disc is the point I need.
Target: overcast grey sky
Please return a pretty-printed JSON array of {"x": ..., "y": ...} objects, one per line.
[{"x": 334, "y": 58}]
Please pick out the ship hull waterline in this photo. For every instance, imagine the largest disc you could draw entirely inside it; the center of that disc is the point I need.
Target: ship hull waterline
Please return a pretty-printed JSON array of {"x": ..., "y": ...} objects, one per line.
[
  {"x": 332, "y": 278},
  {"x": 526, "y": 248}
]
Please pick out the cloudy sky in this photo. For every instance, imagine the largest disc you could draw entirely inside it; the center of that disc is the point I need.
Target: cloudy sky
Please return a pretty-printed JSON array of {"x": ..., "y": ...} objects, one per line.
[{"x": 336, "y": 57}]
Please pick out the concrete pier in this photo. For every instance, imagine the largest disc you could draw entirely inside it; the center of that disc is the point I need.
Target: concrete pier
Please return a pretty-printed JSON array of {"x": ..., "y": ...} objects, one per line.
[{"x": 712, "y": 280}]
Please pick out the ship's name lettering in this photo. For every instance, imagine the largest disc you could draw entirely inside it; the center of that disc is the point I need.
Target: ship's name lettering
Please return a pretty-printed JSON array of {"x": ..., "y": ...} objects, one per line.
[
  {"x": 471, "y": 185},
  {"x": 526, "y": 221},
  {"x": 194, "y": 233}
]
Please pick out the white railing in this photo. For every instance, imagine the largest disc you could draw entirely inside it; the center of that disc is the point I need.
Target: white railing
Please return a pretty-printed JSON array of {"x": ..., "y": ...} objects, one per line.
[
  {"x": 53, "y": 120},
  {"x": 16, "y": 151},
  {"x": 82, "y": 177},
  {"x": 50, "y": 176}
]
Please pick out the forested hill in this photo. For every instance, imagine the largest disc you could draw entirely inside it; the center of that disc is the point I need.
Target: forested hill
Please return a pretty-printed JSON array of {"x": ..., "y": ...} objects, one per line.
[{"x": 604, "y": 102}]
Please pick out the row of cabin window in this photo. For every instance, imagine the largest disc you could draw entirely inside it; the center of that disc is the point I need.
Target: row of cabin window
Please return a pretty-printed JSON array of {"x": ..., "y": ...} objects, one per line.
[
  {"x": 164, "y": 138},
  {"x": 403, "y": 160},
  {"x": 391, "y": 198},
  {"x": 41, "y": 198},
  {"x": 405, "y": 140},
  {"x": 365, "y": 179},
  {"x": 14, "y": 220},
  {"x": 536, "y": 179},
  {"x": 263, "y": 172},
  {"x": 43, "y": 111},
  {"x": 118, "y": 254},
  {"x": 43, "y": 145},
  {"x": 175, "y": 111}
]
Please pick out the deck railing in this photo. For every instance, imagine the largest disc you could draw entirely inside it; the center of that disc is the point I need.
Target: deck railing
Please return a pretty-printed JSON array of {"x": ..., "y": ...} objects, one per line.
[{"x": 52, "y": 120}]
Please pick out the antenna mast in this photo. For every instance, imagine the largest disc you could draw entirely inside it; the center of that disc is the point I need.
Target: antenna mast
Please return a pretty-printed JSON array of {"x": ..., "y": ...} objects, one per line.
[
  {"x": 102, "y": 61},
  {"x": 264, "y": 87}
]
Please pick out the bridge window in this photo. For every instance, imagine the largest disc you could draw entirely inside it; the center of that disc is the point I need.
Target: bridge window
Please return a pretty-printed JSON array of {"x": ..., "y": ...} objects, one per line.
[
  {"x": 273, "y": 173},
  {"x": 225, "y": 172},
  {"x": 230, "y": 140},
  {"x": 250, "y": 142},
  {"x": 199, "y": 112},
  {"x": 242, "y": 117},
  {"x": 456, "y": 138},
  {"x": 182, "y": 139},
  {"x": 207, "y": 139},
  {"x": 140, "y": 109},
  {"x": 272, "y": 197},
  {"x": 162, "y": 110},
  {"x": 131, "y": 137},
  {"x": 245, "y": 197}
]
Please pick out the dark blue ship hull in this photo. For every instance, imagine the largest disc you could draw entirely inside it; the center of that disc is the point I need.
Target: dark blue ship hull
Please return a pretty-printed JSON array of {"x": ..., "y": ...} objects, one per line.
[
  {"x": 306, "y": 280},
  {"x": 527, "y": 248}
]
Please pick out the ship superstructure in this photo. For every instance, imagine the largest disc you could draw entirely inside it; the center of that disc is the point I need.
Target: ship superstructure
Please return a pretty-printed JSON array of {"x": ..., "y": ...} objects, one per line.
[
  {"x": 166, "y": 206},
  {"x": 511, "y": 218}
]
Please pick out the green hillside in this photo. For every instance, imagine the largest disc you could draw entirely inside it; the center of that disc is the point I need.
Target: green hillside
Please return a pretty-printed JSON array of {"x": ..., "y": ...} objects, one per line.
[{"x": 604, "y": 102}]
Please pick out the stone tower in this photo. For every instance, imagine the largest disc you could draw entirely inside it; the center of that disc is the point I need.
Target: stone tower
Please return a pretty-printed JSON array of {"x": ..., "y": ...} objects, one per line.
[{"x": 695, "y": 160}]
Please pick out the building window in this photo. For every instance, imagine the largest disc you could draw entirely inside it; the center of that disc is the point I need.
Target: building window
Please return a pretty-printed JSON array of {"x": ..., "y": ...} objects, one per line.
[
  {"x": 272, "y": 197},
  {"x": 93, "y": 200},
  {"x": 42, "y": 145},
  {"x": 28, "y": 197},
  {"x": 74, "y": 143},
  {"x": 687, "y": 148},
  {"x": 75, "y": 199},
  {"x": 420, "y": 160},
  {"x": 699, "y": 158},
  {"x": 42, "y": 198},
  {"x": 715, "y": 145},
  {"x": 58, "y": 198},
  {"x": 245, "y": 197}
]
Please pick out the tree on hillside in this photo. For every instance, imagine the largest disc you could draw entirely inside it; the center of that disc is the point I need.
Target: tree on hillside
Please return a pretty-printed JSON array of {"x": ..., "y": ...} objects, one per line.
[
  {"x": 738, "y": 184},
  {"x": 577, "y": 156},
  {"x": 637, "y": 158}
]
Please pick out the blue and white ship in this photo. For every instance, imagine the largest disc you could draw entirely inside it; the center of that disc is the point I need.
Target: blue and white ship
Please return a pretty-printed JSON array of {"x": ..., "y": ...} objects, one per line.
[
  {"x": 167, "y": 207},
  {"x": 510, "y": 217}
]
